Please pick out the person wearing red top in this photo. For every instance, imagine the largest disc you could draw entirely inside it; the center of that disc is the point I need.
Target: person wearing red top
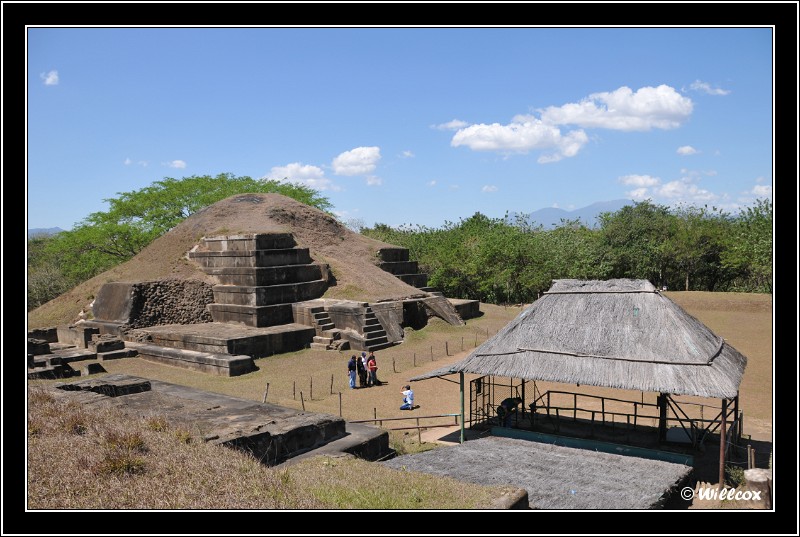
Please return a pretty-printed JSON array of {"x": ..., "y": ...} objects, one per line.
[{"x": 372, "y": 368}]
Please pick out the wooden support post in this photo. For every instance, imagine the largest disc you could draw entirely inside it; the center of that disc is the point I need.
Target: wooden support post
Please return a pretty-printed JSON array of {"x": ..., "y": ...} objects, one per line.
[
  {"x": 340, "y": 404},
  {"x": 722, "y": 439},
  {"x": 635, "y": 407},
  {"x": 331, "y": 384},
  {"x": 266, "y": 391},
  {"x": 461, "y": 389},
  {"x": 574, "y": 407},
  {"x": 311, "y": 391},
  {"x": 419, "y": 433},
  {"x": 375, "y": 413},
  {"x": 294, "y": 392},
  {"x": 603, "y": 408},
  {"x": 446, "y": 350},
  {"x": 662, "y": 417},
  {"x": 393, "y": 366},
  {"x": 302, "y": 402}
]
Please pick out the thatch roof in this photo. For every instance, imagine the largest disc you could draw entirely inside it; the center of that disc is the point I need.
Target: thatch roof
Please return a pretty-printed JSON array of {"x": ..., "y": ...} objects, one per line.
[
  {"x": 616, "y": 333},
  {"x": 555, "y": 477}
]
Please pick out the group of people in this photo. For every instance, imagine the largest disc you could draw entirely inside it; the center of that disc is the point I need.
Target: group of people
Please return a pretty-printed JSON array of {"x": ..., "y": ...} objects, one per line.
[{"x": 366, "y": 367}]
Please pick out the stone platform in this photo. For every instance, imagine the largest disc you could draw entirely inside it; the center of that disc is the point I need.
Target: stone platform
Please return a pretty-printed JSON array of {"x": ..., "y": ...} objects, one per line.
[
  {"x": 272, "y": 433},
  {"x": 233, "y": 339}
]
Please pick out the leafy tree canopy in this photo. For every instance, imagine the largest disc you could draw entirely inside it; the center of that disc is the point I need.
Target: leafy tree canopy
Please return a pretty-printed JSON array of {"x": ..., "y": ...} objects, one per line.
[{"x": 134, "y": 219}]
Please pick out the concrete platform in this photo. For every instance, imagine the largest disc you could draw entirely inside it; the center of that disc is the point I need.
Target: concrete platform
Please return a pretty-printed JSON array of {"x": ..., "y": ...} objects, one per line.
[
  {"x": 226, "y": 365},
  {"x": 467, "y": 309},
  {"x": 233, "y": 339},
  {"x": 272, "y": 433}
]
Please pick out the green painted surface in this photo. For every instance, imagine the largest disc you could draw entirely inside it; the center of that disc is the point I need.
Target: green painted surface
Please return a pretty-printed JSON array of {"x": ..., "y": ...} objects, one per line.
[{"x": 595, "y": 445}]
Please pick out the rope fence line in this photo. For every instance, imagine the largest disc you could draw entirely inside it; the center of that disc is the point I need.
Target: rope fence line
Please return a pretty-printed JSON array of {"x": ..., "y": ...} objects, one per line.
[{"x": 400, "y": 362}]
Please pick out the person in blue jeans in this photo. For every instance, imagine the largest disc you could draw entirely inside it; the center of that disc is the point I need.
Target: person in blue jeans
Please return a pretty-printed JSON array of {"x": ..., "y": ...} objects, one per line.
[
  {"x": 351, "y": 371},
  {"x": 408, "y": 398}
]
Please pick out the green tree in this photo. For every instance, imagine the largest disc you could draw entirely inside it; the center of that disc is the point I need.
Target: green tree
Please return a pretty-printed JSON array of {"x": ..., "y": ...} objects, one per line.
[
  {"x": 632, "y": 241},
  {"x": 695, "y": 244},
  {"x": 749, "y": 248},
  {"x": 134, "y": 219}
]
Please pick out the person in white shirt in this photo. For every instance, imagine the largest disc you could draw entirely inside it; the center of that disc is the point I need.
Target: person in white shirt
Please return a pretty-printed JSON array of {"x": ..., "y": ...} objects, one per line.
[{"x": 408, "y": 398}]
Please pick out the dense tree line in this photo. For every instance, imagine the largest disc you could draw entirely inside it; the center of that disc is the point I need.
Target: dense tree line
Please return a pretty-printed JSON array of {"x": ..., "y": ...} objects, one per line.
[
  {"x": 688, "y": 248},
  {"x": 134, "y": 219},
  {"x": 490, "y": 259}
]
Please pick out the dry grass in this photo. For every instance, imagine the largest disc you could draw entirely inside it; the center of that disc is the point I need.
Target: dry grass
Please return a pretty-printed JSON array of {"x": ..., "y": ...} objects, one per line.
[
  {"x": 743, "y": 320},
  {"x": 114, "y": 462}
]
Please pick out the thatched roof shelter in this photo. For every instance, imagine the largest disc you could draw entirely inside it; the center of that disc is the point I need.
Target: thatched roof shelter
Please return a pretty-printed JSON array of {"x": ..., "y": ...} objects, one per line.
[{"x": 617, "y": 333}]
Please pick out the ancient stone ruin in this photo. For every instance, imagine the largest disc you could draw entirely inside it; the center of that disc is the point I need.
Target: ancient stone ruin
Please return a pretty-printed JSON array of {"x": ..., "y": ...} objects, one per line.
[{"x": 268, "y": 300}]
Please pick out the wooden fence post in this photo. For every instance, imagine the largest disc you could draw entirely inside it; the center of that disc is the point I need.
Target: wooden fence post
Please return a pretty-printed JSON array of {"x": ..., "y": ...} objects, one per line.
[
  {"x": 302, "y": 402},
  {"x": 294, "y": 388},
  {"x": 331, "y": 383},
  {"x": 393, "y": 367},
  {"x": 340, "y": 404},
  {"x": 311, "y": 391},
  {"x": 266, "y": 391},
  {"x": 446, "y": 349}
]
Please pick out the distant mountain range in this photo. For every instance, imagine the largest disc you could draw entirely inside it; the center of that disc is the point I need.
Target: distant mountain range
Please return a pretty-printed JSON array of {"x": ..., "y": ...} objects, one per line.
[
  {"x": 33, "y": 232},
  {"x": 551, "y": 217}
]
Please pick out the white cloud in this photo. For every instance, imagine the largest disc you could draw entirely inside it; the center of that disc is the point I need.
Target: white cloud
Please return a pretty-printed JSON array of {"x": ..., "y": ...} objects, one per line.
[
  {"x": 50, "y": 78},
  {"x": 521, "y": 137},
  {"x": 358, "y": 161},
  {"x": 127, "y": 162},
  {"x": 489, "y": 188},
  {"x": 762, "y": 191},
  {"x": 374, "y": 181},
  {"x": 686, "y": 150},
  {"x": 639, "y": 180},
  {"x": 638, "y": 194},
  {"x": 453, "y": 125},
  {"x": 624, "y": 109},
  {"x": 305, "y": 174},
  {"x": 705, "y": 87},
  {"x": 143, "y": 163},
  {"x": 407, "y": 154},
  {"x": 685, "y": 190},
  {"x": 431, "y": 183},
  {"x": 176, "y": 164}
]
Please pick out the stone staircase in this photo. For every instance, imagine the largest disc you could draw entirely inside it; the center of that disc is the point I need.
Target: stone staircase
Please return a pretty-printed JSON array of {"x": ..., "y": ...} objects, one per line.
[
  {"x": 328, "y": 336},
  {"x": 395, "y": 261},
  {"x": 261, "y": 275},
  {"x": 342, "y": 324}
]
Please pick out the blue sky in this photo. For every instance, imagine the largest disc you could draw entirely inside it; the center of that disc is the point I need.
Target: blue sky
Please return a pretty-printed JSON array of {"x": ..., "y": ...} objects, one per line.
[{"x": 403, "y": 125}]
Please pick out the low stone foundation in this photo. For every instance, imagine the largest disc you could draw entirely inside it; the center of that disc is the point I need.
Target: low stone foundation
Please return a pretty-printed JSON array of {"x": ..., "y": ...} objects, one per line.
[{"x": 225, "y": 365}]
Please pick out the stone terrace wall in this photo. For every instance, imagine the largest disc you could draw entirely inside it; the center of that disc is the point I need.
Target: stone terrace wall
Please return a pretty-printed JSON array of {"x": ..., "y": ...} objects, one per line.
[{"x": 170, "y": 302}]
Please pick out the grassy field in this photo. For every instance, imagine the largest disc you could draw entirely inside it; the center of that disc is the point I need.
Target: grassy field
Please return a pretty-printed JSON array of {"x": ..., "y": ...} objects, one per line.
[{"x": 315, "y": 379}]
